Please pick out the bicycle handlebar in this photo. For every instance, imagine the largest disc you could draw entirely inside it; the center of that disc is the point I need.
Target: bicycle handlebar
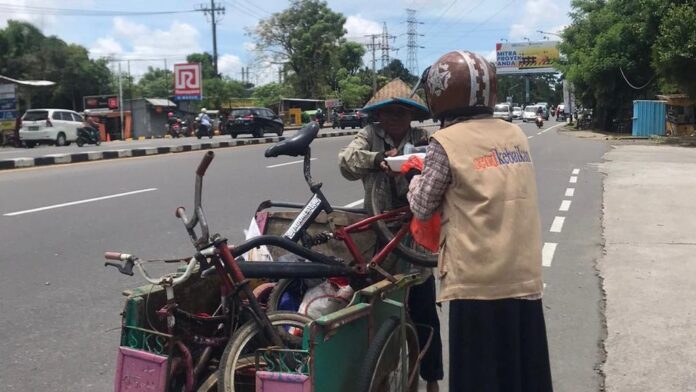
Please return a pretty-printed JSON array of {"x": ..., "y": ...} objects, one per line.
[
  {"x": 130, "y": 261},
  {"x": 203, "y": 166}
]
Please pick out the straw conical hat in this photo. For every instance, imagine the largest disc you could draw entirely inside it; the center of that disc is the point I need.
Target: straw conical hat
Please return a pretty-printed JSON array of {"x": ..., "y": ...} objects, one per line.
[{"x": 397, "y": 92}]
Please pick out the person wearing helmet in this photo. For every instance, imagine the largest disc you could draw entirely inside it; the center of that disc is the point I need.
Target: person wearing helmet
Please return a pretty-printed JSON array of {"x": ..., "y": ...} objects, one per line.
[
  {"x": 364, "y": 159},
  {"x": 478, "y": 173},
  {"x": 205, "y": 125}
]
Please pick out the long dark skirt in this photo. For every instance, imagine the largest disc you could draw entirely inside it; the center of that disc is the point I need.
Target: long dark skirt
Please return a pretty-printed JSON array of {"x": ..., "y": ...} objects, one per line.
[{"x": 498, "y": 346}]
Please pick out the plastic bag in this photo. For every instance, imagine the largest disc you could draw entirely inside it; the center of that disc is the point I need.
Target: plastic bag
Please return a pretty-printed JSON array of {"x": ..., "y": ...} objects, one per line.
[
  {"x": 324, "y": 299},
  {"x": 257, "y": 254},
  {"x": 427, "y": 232}
]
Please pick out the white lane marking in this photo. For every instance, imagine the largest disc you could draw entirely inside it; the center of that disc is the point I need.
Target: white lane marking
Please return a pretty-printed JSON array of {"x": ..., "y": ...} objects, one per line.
[
  {"x": 557, "y": 225},
  {"x": 570, "y": 192},
  {"x": 354, "y": 204},
  {"x": 576, "y": 171},
  {"x": 555, "y": 126},
  {"x": 529, "y": 137},
  {"x": 547, "y": 253},
  {"x": 565, "y": 205},
  {"x": 288, "y": 163},
  {"x": 539, "y": 133},
  {"x": 573, "y": 179},
  {"x": 72, "y": 203}
]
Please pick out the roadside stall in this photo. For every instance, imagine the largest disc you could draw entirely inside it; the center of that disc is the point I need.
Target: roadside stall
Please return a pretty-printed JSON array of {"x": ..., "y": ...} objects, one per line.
[{"x": 681, "y": 120}]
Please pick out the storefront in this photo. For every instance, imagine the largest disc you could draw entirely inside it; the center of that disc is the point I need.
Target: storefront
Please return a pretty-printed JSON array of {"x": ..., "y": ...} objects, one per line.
[{"x": 150, "y": 116}]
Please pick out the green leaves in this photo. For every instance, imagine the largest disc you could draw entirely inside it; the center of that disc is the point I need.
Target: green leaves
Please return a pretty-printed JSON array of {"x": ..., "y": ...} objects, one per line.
[{"x": 642, "y": 38}]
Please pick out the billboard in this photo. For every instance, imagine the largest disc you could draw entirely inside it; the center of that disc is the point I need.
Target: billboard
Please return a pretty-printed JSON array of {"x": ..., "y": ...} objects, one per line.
[
  {"x": 96, "y": 102},
  {"x": 8, "y": 106},
  {"x": 526, "y": 57},
  {"x": 188, "y": 84}
]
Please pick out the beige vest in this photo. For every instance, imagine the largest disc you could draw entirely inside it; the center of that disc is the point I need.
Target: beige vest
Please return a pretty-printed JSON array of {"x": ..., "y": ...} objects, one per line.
[{"x": 490, "y": 243}]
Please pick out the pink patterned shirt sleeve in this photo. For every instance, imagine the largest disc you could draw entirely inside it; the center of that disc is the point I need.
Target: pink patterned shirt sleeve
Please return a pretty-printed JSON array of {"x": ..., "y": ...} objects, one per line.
[{"x": 427, "y": 190}]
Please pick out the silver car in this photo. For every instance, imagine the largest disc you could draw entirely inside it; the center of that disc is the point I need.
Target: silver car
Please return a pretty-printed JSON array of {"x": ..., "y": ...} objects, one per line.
[
  {"x": 516, "y": 112},
  {"x": 504, "y": 111}
]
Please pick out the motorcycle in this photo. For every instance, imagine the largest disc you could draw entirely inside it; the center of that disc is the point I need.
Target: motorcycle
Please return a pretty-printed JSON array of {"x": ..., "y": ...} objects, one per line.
[
  {"x": 204, "y": 130},
  {"x": 175, "y": 130},
  {"x": 87, "y": 136},
  {"x": 539, "y": 121}
]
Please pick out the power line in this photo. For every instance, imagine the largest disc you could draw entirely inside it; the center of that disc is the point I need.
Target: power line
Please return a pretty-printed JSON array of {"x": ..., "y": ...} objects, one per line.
[
  {"x": 257, "y": 7},
  {"x": 385, "y": 45},
  {"x": 213, "y": 11},
  {"x": 373, "y": 46},
  {"x": 412, "y": 55},
  {"x": 243, "y": 8},
  {"x": 34, "y": 10}
]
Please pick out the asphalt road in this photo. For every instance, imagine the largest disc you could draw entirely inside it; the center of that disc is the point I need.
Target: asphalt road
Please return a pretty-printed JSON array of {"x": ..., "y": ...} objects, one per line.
[{"x": 59, "y": 313}]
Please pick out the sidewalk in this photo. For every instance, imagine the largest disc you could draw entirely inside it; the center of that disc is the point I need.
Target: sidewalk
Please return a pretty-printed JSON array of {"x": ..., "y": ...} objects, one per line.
[
  {"x": 649, "y": 268},
  {"x": 133, "y": 149}
]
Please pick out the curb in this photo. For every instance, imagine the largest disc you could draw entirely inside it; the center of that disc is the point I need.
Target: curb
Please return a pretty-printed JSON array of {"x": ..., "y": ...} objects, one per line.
[{"x": 76, "y": 157}]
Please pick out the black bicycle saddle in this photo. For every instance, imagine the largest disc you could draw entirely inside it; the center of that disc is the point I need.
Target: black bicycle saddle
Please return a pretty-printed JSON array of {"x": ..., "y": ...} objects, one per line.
[{"x": 296, "y": 145}]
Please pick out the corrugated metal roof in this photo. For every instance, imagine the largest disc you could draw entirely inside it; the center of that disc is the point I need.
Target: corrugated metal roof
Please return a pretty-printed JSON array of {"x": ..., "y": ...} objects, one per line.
[{"x": 160, "y": 102}]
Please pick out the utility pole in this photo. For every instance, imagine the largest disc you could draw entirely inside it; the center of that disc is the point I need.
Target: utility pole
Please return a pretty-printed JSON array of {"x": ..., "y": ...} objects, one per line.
[
  {"x": 385, "y": 45},
  {"x": 412, "y": 56},
  {"x": 373, "y": 46},
  {"x": 214, "y": 11}
]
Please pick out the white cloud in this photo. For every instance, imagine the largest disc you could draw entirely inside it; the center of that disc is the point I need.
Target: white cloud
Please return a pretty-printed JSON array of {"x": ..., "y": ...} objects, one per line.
[
  {"x": 250, "y": 46},
  {"x": 146, "y": 46},
  {"x": 230, "y": 65},
  {"x": 536, "y": 14},
  {"x": 358, "y": 27}
]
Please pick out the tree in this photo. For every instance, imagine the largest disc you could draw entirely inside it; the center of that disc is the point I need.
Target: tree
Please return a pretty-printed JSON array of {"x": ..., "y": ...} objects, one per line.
[
  {"x": 305, "y": 36},
  {"x": 542, "y": 88},
  {"x": 674, "y": 53},
  {"x": 218, "y": 91},
  {"x": 396, "y": 69},
  {"x": 613, "y": 52},
  {"x": 28, "y": 54},
  {"x": 156, "y": 83},
  {"x": 271, "y": 93},
  {"x": 206, "y": 61}
]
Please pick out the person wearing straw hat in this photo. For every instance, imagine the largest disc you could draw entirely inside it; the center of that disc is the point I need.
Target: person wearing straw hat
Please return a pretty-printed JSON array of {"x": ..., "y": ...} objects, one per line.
[{"x": 363, "y": 159}]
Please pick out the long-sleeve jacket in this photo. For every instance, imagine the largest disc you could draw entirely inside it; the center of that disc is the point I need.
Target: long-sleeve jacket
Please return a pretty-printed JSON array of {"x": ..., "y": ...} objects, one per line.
[{"x": 360, "y": 159}]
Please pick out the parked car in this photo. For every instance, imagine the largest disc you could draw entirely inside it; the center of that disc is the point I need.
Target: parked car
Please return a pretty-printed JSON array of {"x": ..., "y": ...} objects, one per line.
[
  {"x": 504, "y": 111},
  {"x": 49, "y": 126},
  {"x": 351, "y": 118},
  {"x": 530, "y": 113},
  {"x": 517, "y": 112},
  {"x": 254, "y": 121}
]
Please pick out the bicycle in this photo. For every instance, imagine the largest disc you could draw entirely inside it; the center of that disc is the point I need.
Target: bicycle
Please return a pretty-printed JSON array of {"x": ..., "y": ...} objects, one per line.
[{"x": 215, "y": 256}]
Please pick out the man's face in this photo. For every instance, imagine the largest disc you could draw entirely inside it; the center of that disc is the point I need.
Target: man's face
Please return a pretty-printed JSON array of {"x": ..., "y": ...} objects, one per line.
[{"x": 395, "y": 120}]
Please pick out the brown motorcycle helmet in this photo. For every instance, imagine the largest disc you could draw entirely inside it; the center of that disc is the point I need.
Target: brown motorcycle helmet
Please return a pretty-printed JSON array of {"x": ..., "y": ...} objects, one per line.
[{"x": 460, "y": 83}]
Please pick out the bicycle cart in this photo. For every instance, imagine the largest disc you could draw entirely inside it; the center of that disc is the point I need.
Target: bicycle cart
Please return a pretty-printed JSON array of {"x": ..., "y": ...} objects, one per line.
[{"x": 223, "y": 336}]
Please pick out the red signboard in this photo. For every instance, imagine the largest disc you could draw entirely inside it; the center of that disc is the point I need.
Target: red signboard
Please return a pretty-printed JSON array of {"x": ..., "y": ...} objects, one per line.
[{"x": 188, "y": 84}]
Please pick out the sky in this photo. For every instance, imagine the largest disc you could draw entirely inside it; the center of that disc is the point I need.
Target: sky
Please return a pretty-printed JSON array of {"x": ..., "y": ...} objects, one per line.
[{"x": 114, "y": 29}]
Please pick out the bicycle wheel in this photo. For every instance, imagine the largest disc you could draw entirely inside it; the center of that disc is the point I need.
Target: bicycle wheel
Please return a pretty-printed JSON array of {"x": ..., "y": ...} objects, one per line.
[
  {"x": 237, "y": 364},
  {"x": 383, "y": 366},
  {"x": 384, "y": 194},
  {"x": 287, "y": 295}
]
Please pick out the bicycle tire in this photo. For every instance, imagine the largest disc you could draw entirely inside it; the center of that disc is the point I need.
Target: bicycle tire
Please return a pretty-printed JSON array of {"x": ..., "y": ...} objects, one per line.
[
  {"x": 234, "y": 350},
  {"x": 374, "y": 204},
  {"x": 279, "y": 289},
  {"x": 381, "y": 350}
]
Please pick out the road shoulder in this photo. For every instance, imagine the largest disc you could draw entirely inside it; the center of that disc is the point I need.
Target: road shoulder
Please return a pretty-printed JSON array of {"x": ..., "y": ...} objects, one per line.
[{"x": 648, "y": 265}]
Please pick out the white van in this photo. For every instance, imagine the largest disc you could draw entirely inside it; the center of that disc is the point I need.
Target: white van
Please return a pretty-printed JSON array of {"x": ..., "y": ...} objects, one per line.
[{"x": 50, "y": 126}]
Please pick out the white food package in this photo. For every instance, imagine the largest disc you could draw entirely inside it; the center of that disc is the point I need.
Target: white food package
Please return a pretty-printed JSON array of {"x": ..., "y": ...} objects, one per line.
[{"x": 396, "y": 162}]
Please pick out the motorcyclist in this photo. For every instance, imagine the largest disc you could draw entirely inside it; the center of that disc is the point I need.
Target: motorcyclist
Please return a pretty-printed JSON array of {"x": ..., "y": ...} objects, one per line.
[
  {"x": 91, "y": 126},
  {"x": 205, "y": 124},
  {"x": 319, "y": 117},
  {"x": 171, "y": 121}
]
